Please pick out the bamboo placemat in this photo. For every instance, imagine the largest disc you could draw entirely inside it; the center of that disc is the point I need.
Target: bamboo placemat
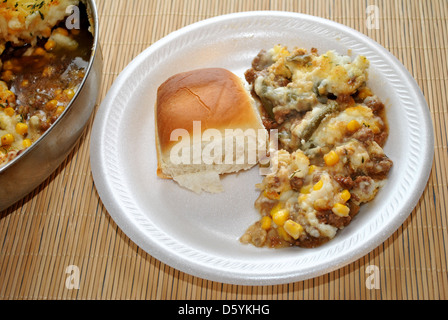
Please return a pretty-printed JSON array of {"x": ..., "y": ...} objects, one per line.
[{"x": 63, "y": 222}]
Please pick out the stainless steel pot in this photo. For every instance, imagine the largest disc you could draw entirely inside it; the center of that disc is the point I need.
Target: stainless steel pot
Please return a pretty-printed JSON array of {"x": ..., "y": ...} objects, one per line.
[{"x": 24, "y": 173}]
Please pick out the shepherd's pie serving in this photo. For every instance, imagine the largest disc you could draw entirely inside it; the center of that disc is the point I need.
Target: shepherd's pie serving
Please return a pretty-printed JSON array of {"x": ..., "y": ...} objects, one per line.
[{"x": 331, "y": 132}]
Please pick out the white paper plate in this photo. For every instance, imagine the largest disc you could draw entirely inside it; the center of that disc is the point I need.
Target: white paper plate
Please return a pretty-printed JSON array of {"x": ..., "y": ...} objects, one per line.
[{"x": 198, "y": 234}]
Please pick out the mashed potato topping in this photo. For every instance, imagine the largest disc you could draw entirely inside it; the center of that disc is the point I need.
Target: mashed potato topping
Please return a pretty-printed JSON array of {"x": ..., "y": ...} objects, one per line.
[
  {"x": 331, "y": 130},
  {"x": 24, "y": 21}
]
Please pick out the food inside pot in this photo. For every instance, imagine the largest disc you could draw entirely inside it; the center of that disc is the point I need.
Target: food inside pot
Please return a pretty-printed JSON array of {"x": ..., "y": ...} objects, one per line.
[{"x": 40, "y": 75}]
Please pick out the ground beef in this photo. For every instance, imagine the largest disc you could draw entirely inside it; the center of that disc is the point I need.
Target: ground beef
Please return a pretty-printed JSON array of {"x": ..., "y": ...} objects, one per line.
[
  {"x": 316, "y": 177},
  {"x": 328, "y": 217},
  {"x": 281, "y": 114},
  {"x": 268, "y": 122},
  {"x": 381, "y": 138},
  {"x": 250, "y": 75},
  {"x": 307, "y": 241},
  {"x": 296, "y": 183},
  {"x": 363, "y": 183},
  {"x": 274, "y": 183},
  {"x": 374, "y": 104},
  {"x": 345, "y": 99},
  {"x": 255, "y": 235},
  {"x": 273, "y": 239},
  {"x": 364, "y": 135},
  {"x": 262, "y": 61},
  {"x": 264, "y": 205},
  {"x": 281, "y": 81},
  {"x": 344, "y": 182},
  {"x": 354, "y": 208},
  {"x": 379, "y": 167}
]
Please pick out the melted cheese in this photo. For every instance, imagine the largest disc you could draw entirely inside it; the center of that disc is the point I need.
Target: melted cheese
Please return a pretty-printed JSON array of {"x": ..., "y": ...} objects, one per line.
[{"x": 321, "y": 90}]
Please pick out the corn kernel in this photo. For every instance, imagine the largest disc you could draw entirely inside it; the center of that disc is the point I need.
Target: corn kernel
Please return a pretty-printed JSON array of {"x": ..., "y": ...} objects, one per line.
[
  {"x": 51, "y": 105},
  {"x": 8, "y": 96},
  {"x": 7, "y": 139},
  {"x": 375, "y": 129},
  {"x": 26, "y": 143},
  {"x": 340, "y": 210},
  {"x": 331, "y": 158},
  {"x": 276, "y": 208},
  {"x": 318, "y": 185},
  {"x": 9, "y": 111},
  {"x": 7, "y": 75},
  {"x": 21, "y": 128},
  {"x": 62, "y": 31},
  {"x": 283, "y": 234},
  {"x": 293, "y": 229},
  {"x": 345, "y": 195},
  {"x": 39, "y": 51},
  {"x": 353, "y": 126},
  {"x": 306, "y": 189},
  {"x": 311, "y": 169},
  {"x": 8, "y": 65},
  {"x": 321, "y": 205},
  {"x": 271, "y": 195},
  {"x": 48, "y": 71},
  {"x": 69, "y": 93},
  {"x": 50, "y": 45},
  {"x": 46, "y": 32},
  {"x": 280, "y": 217},
  {"x": 266, "y": 223},
  {"x": 302, "y": 198},
  {"x": 364, "y": 93},
  {"x": 59, "y": 110}
]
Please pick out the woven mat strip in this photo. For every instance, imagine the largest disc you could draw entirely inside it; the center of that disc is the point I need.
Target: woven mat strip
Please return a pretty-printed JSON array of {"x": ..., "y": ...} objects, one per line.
[{"x": 63, "y": 222}]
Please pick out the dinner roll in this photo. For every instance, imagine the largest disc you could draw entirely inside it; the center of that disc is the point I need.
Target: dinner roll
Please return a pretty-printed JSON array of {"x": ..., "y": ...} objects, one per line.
[{"x": 207, "y": 124}]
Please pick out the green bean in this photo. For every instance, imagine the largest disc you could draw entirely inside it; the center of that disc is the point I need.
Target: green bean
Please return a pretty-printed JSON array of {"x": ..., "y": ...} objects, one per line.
[{"x": 325, "y": 110}]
